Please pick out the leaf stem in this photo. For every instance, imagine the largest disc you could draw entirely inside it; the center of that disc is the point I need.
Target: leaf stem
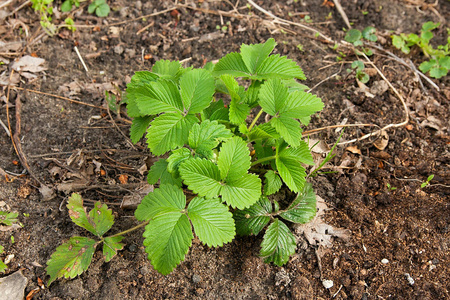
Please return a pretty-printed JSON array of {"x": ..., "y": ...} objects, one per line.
[
  {"x": 264, "y": 159},
  {"x": 128, "y": 230},
  {"x": 255, "y": 119}
]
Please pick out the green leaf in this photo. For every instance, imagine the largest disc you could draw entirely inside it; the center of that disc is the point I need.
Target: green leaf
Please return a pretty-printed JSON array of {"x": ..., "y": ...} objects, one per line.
[
  {"x": 427, "y": 65},
  {"x": 445, "y": 62},
  {"x": 430, "y": 26},
  {"x": 8, "y": 218},
  {"x": 369, "y": 34},
  {"x": 263, "y": 131},
  {"x": 294, "y": 85},
  {"x": 169, "y": 131},
  {"x": 278, "y": 244},
  {"x": 300, "y": 153},
  {"x": 254, "y": 55},
  {"x": 303, "y": 208},
  {"x": 197, "y": 89},
  {"x": 206, "y": 136},
  {"x": 291, "y": 171},
  {"x": 102, "y": 10},
  {"x": 71, "y": 258},
  {"x": 176, "y": 158},
  {"x": 288, "y": 128},
  {"x": 398, "y": 42},
  {"x": 353, "y": 35},
  {"x": 234, "y": 159},
  {"x": 3, "y": 266},
  {"x": 276, "y": 66},
  {"x": 238, "y": 112},
  {"x": 232, "y": 64},
  {"x": 157, "y": 97},
  {"x": 201, "y": 176},
  {"x": 164, "y": 200},
  {"x": 301, "y": 104},
  {"x": 141, "y": 78},
  {"x": 167, "y": 240},
  {"x": 139, "y": 127},
  {"x": 213, "y": 223},
  {"x": 438, "y": 72},
  {"x": 426, "y": 36},
  {"x": 358, "y": 65},
  {"x": 272, "y": 184},
  {"x": 158, "y": 171},
  {"x": 216, "y": 111},
  {"x": 98, "y": 221},
  {"x": 243, "y": 192},
  {"x": 110, "y": 247},
  {"x": 167, "y": 69},
  {"x": 253, "y": 219},
  {"x": 66, "y": 6},
  {"x": 263, "y": 150},
  {"x": 272, "y": 96}
]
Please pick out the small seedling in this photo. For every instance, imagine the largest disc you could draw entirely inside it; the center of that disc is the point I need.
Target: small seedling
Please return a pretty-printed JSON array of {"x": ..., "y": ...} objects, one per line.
[
  {"x": 390, "y": 188},
  {"x": 358, "y": 67},
  {"x": 439, "y": 58},
  {"x": 8, "y": 218},
  {"x": 100, "y": 7},
  {"x": 3, "y": 266},
  {"x": 356, "y": 37},
  {"x": 45, "y": 10},
  {"x": 67, "y": 5},
  {"x": 427, "y": 182},
  {"x": 227, "y": 163}
]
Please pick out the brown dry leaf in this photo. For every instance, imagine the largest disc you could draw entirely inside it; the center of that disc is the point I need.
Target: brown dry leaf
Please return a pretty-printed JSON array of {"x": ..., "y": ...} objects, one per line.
[
  {"x": 29, "y": 63},
  {"x": 4, "y": 79},
  {"x": 10, "y": 46},
  {"x": 353, "y": 149},
  {"x": 382, "y": 142},
  {"x": 123, "y": 178},
  {"x": 132, "y": 201},
  {"x": 320, "y": 146},
  {"x": 46, "y": 192}
]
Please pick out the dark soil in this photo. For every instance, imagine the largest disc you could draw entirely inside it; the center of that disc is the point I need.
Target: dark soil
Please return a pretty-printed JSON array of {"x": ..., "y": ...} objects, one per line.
[{"x": 73, "y": 147}]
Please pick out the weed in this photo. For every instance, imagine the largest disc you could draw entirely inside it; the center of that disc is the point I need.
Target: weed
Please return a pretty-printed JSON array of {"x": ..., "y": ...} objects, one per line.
[
  {"x": 356, "y": 37},
  {"x": 439, "y": 58},
  {"x": 8, "y": 218},
  {"x": 3, "y": 266},
  {"x": 390, "y": 188},
  {"x": 427, "y": 182},
  {"x": 211, "y": 151},
  {"x": 358, "y": 67},
  {"x": 100, "y": 7}
]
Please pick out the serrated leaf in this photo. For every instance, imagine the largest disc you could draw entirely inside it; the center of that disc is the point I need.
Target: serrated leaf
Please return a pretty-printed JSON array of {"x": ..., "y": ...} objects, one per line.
[
  {"x": 169, "y": 131},
  {"x": 232, "y": 64},
  {"x": 132, "y": 108},
  {"x": 215, "y": 111},
  {"x": 243, "y": 192},
  {"x": 213, "y": 223},
  {"x": 98, "y": 221},
  {"x": 167, "y": 69},
  {"x": 176, "y": 158},
  {"x": 263, "y": 150},
  {"x": 276, "y": 66},
  {"x": 166, "y": 199},
  {"x": 206, "y": 136},
  {"x": 253, "y": 219},
  {"x": 292, "y": 173},
  {"x": 301, "y": 104},
  {"x": 197, "y": 89},
  {"x": 141, "y": 78},
  {"x": 157, "y": 97},
  {"x": 252, "y": 94},
  {"x": 167, "y": 240},
  {"x": 71, "y": 258},
  {"x": 278, "y": 243},
  {"x": 303, "y": 208},
  {"x": 254, "y": 55},
  {"x": 201, "y": 176},
  {"x": 158, "y": 171},
  {"x": 272, "y": 183},
  {"x": 238, "y": 112},
  {"x": 272, "y": 96},
  {"x": 288, "y": 128},
  {"x": 263, "y": 131},
  {"x": 398, "y": 42},
  {"x": 234, "y": 159},
  {"x": 300, "y": 153},
  {"x": 427, "y": 65},
  {"x": 139, "y": 127},
  {"x": 110, "y": 247}
]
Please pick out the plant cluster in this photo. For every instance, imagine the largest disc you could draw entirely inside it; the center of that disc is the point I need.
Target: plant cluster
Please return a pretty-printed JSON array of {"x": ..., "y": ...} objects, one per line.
[
  {"x": 6, "y": 218},
  {"x": 439, "y": 58},
  {"x": 356, "y": 37},
  {"x": 218, "y": 168}
]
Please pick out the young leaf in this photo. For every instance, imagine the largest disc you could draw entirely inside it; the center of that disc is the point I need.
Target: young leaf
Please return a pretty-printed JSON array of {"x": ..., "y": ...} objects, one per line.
[
  {"x": 167, "y": 69},
  {"x": 166, "y": 199},
  {"x": 353, "y": 35},
  {"x": 243, "y": 192},
  {"x": 110, "y": 247},
  {"x": 71, "y": 258},
  {"x": 8, "y": 218},
  {"x": 158, "y": 171},
  {"x": 276, "y": 66},
  {"x": 278, "y": 244},
  {"x": 272, "y": 96},
  {"x": 201, "y": 176},
  {"x": 176, "y": 158},
  {"x": 167, "y": 240},
  {"x": 238, "y": 111},
  {"x": 369, "y": 34},
  {"x": 213, "y": 223},
  {"x": 272, "y": 184},
  {"x": 253, "y": 219},
  {"x": 288, "y": 128},
  {"x": 139, "y": 127},
  {"x": 232, "y": 64},
  {"x": 254, "y": 55},
  {"x": 98, "y": 221},
  {"x": 303, "y": 209},
  {"x": 292, "y": 173},
  {"x": 301, "y": 104},
  {"x": 234, "y": 159},
  {"x": 157, "y": 97},
  {"x": 169, "y": 131},
  {"x": 206, "y": 136},
  {"x": 197, "y": 89}
]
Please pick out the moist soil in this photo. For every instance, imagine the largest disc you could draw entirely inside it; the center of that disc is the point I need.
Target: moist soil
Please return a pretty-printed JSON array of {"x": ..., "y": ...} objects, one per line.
[{"x": 396, "y": 227}]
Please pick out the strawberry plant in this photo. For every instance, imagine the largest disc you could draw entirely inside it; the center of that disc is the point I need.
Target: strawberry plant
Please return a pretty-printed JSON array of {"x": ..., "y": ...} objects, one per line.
[{"x": 219, "y": 169}]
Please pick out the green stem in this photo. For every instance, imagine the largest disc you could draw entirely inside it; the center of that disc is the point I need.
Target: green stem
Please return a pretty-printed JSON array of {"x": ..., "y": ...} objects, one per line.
[
  {"x": 263, "y": 160},
  {"x": 255, "y": 119},
  {"x": 129, "y": 230}
]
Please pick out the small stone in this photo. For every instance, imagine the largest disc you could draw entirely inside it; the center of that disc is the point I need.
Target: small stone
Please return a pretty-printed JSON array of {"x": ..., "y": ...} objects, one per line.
[
  {"x": 409, "y": 279},
  {"x": 384, "y": 261},
  {"x": 327, "y": 283},
  {"x": 132, "y": 248},
  {"x": 196, "y": 278},
  {"x": 118, "y": 49}
]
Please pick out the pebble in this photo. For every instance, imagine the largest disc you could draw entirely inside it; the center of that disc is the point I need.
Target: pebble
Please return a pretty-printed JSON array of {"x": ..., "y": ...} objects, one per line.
[
  {"x": 384, "y": 261},
  {"x": 327, "y": 283},
  {"x": 409, "y": 279},
  {"x": 196, "y": 278}
]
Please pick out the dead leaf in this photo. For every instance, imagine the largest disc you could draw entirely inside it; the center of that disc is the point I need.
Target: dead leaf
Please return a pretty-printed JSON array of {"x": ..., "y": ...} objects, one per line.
[
  {"x": 4, "y": 79},
  {"x": 29, "y": 63},
  {"x": 123, "y": 178},
  {"x": 10, "y": 46},
  {"x": 382, "y": 141},
  {"x": 132, "y": 201},
  {"x": 353, "y": 149},
  {"x": 319, "y": 146}
]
